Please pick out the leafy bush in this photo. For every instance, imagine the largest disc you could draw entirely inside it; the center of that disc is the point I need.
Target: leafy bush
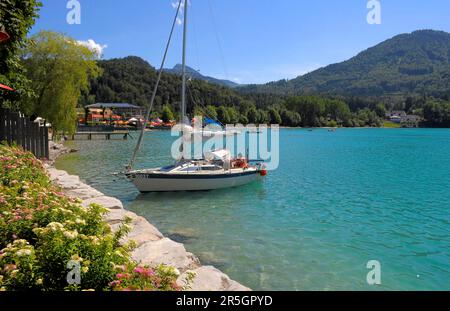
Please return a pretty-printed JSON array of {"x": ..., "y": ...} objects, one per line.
[{"x": 42, "y": 230}]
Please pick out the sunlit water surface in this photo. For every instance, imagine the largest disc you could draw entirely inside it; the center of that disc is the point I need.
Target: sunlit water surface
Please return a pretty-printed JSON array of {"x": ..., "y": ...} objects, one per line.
[{"x": 337, "y": 200}]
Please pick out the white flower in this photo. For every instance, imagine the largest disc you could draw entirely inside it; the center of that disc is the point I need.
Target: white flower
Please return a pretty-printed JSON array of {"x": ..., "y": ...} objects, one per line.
[
  {"x": 23, "y": 252},
  {"x": 176, "y": 271},
  {"x": 70, "y": 234},
  {"x": 54, "y": 226},
  {"x": 80, "y": 221}
]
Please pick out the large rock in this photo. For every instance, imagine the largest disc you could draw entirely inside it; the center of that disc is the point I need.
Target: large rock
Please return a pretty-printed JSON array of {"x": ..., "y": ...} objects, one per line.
[
  {"x": 55, "y": 173},
  {"x": 143, "y": 231},
  {"x": 69, "y": 182},
  {"x": 108, "y": 202},
  {"x": 115, "y": 216},
  {"x": 208, "y": 278},
  {"x": 84, "y": 192},
  {"x": 165, "y": 251}
]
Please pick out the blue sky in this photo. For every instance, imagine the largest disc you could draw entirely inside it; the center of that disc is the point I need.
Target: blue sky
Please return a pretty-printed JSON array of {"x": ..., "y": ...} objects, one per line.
[{"x": 247, "y": 41}]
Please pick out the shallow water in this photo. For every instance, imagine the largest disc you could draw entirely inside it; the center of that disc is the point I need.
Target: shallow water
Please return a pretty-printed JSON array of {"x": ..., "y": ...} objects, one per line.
[{"x": 337, "y": 201}]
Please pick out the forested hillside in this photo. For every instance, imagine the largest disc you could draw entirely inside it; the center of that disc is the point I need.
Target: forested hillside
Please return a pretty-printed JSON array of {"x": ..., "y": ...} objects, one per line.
[
  {"x": 131, "y": 80},
  {"x": 409, "y": 64},
  {"x": 409, "y": 72}
]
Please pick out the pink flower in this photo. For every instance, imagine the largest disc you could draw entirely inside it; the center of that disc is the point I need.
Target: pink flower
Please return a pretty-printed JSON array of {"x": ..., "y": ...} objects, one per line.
[
  {"x": 139, "y": 270},
  {"x": 122, "y": 275},
  {"x": 114, "y": 283},
  {"x": 150, "y": 272}
]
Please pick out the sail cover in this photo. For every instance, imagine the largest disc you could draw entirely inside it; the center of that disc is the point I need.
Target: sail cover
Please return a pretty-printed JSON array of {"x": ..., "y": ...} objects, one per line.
[{"x": 222, "y": 154}]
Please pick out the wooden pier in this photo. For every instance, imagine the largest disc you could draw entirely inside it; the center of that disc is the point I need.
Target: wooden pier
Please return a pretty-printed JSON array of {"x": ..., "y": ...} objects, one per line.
[{"x": 107, "y": 135}]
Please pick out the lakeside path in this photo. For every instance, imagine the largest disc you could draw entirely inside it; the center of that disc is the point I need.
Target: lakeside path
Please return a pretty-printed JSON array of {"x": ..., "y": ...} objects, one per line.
[{"x": 152, "y": 247}]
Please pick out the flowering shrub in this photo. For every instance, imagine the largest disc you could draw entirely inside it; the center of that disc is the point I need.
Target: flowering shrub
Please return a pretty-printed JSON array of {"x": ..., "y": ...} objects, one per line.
[
  {"x": 42, "y": 230},
  {"x": 136, "y": 278}
]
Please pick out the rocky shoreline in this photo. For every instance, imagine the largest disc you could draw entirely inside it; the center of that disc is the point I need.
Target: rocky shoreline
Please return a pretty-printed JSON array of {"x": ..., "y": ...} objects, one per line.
[{"x": 153, "y": 247}]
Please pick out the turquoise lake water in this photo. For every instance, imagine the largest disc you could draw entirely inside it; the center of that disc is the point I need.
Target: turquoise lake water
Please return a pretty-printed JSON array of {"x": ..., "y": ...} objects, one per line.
[{"x": 336, "y": 201}]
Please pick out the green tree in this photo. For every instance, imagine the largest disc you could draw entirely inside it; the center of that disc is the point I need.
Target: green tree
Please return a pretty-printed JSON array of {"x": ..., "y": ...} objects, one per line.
[
  {"x": 243, "y": 119},
  {"x": 167, "y": 114},
  {"x": 233, "y": 115},
  {"x": 437, "y": 113},
  {"x": 223, "y": 115},
  {"x": 380, "y": 110},
  {"x": 263, "y": 117},
  {"x": 211, "y": 112},
  {"x": 59, "y": 69},
  {"x": 252, "y": 115},
  {"x": 274, "y": 116},
  {"x": 290, "y": 118},
  {"x": 16, "y": 18}
]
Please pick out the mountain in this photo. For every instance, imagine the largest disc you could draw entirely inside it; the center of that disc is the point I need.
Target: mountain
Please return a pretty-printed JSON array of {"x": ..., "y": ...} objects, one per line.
[
  {"x": 194, "y": 74},
  {"x": 407, "y": 64},
  {"x": 132, "y": 79}
]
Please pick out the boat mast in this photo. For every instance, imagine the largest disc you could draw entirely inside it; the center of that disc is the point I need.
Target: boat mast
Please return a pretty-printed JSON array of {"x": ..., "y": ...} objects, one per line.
[
  {"x": 183, "y": 69},
  {"x": 152, "y": 100}
]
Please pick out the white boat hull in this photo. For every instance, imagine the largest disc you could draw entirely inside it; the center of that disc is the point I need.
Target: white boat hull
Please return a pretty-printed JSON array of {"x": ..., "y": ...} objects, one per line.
[{"x": 151, "y": 182}]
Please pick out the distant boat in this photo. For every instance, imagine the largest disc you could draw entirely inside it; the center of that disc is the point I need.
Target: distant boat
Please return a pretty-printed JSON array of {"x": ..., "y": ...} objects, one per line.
[{"x": 217, "y": 170}]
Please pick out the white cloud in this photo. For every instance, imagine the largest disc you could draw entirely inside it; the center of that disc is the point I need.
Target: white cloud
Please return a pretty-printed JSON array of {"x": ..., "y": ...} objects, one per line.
[
  {"x": 94, "y": 46},
  {"x": 180, "y": 14}
]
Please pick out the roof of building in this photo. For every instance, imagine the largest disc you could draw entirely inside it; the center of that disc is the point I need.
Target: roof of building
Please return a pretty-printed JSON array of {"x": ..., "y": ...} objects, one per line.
[{"x": 113, "y": 105}]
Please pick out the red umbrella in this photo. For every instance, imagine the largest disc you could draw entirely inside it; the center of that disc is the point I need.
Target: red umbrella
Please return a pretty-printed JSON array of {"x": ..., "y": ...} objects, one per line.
[
  {"x": 5, "y": 87},
  {"x": 3, "y": 36}
]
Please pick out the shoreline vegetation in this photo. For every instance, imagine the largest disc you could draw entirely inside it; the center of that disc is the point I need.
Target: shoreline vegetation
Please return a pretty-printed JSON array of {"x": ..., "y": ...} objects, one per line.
[{"x": 49, "y": 218}]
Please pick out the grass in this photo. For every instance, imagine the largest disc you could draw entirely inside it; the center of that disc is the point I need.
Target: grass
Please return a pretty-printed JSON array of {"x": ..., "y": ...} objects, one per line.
[{"x": 389, "y": 124}]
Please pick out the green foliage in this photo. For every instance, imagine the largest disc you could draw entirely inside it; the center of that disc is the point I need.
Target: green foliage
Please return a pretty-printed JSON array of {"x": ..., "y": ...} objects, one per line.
[
  {"x": 318, "y": 111},
  {"x": 223, "y": 115},
  {"x": 167, "y": 114},
  {"x": 131, "y": 80},
  {"x": 290, "y": 118},
  {"x": 415, "y": 63},
  {"x": 163, "y": 278},
  {"x": 41, "y": 230},
  {"x": 211, "y": 112},
  {"x": 233, "y": 115},
  {"x": 59, "y": 69},
  {"x": 274, "y": 116},
  {"x": 16, "y": 18},
  {"x": 380, "y": 110},
  {"x": 252, "y": 115},
  {"x": 437, "y": 113}
]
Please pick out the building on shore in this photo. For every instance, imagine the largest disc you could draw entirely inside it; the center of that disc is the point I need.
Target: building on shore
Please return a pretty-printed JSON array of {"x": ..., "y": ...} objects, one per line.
[
  {"x": 405, "y": 120},
  {"x": 124, "y": 110}
]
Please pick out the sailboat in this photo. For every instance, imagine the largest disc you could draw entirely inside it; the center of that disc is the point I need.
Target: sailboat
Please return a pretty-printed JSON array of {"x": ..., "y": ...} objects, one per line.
[{"x": 216, "y": 170}]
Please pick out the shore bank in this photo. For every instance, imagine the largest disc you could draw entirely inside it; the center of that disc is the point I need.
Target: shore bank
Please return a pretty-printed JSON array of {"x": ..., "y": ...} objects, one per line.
[{"x": 153, "y": 247}]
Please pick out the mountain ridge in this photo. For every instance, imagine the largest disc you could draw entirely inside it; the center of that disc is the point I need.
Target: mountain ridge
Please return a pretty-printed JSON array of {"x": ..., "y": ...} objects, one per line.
[
  {"x": 195, "y": 74},
  {"x": 410, "y": 63}
]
